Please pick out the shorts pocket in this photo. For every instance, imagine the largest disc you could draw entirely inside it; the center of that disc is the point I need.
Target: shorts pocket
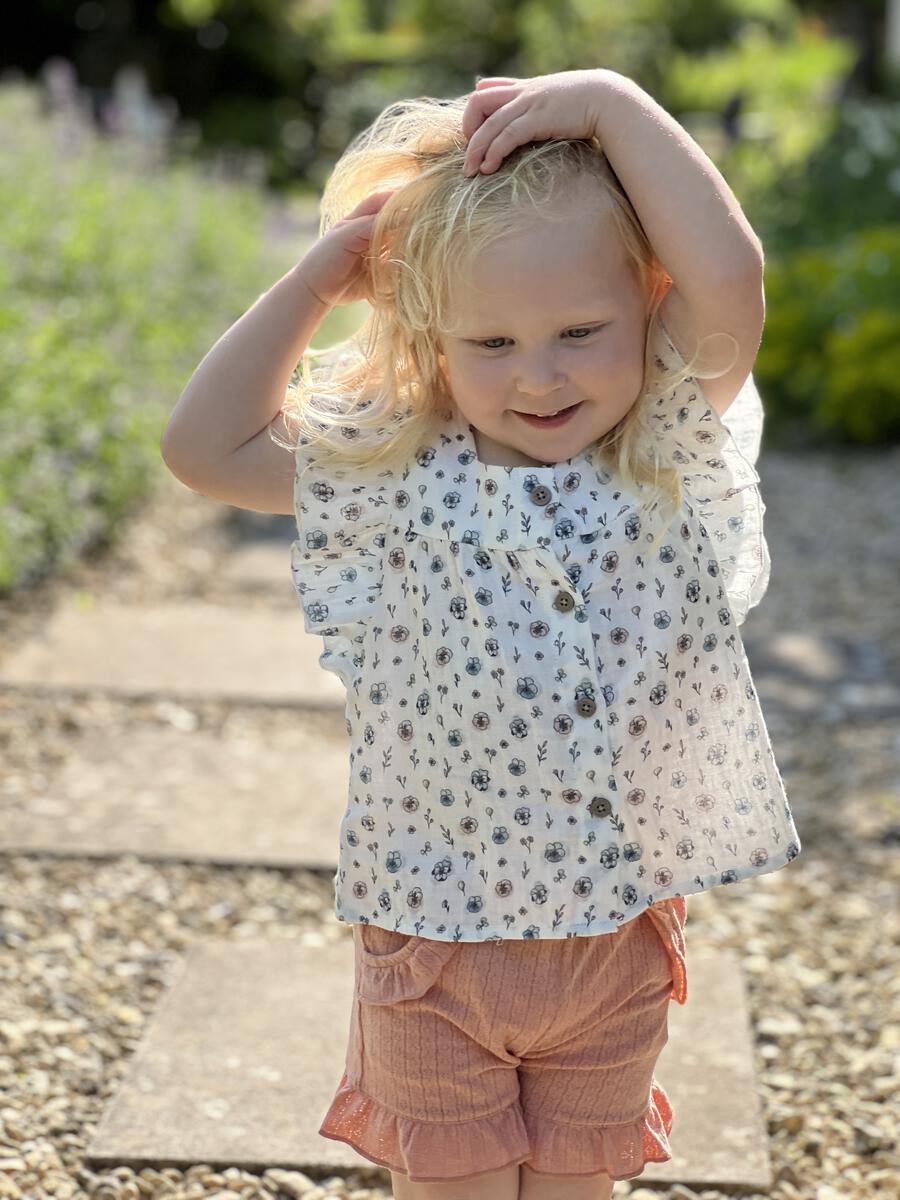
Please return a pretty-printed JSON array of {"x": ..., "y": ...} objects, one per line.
[
  {"x": 384, "y": 947},
  {"x": 392, "y": 966},
  {"x": 661, "y": 950},
  {"x": 666, "y": 951}
]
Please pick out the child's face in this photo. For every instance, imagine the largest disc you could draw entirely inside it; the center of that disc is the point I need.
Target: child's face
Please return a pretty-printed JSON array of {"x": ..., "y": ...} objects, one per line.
[{"x": 533, "y": 296}]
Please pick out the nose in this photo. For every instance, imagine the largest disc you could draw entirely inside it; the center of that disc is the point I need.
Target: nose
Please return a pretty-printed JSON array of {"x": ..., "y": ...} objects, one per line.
[{"x": 540, "y": 380}]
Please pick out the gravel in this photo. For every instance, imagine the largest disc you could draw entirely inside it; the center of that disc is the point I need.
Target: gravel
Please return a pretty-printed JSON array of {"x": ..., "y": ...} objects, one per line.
[{"x": 88, "y": 948}]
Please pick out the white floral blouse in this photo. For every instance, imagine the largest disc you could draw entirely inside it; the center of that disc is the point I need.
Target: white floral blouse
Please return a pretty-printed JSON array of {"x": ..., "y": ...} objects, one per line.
[{"x": 550, "y": 730}]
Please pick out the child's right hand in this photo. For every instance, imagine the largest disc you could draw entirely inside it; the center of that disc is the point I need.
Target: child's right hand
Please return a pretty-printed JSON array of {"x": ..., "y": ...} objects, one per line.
[{"x": 333, "y": 268}]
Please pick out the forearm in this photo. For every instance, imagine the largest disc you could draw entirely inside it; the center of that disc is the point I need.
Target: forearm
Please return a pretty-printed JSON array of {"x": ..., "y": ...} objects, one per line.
[
  {"x": 689, "y": 213},
  {"x": 240, "y": 385}
]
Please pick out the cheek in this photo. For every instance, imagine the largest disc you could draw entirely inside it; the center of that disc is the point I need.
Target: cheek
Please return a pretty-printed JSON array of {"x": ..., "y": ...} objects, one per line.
[
  {"x": 619, "y": 359},
  {"x": 481, "y": 373}
]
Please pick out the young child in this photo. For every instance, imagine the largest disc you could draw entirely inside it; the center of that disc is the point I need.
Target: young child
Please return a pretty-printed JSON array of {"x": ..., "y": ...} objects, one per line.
[{"x": 527, "y": 539}]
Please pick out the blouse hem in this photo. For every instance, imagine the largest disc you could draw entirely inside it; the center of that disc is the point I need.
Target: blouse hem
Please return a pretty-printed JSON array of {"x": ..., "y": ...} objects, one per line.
[{"x": 733, "y": 875}]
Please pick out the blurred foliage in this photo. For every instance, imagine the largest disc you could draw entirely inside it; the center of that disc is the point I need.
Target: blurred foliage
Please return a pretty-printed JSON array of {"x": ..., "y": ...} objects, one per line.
[
  {"x": 785, "y": 84},
  {"x": 299, "y": 79},
  {"x": 114, "y": 282},
  {"x": 430, "y": 47},
  {"x": 118, "y": 277},
  {"x": 832, "y": 339},
  {"x": 850, "y": 179},
  {"x": 829, "y": 363}
]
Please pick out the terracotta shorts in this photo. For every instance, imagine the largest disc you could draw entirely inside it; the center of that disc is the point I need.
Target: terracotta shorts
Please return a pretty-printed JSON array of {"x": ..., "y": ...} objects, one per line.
[{"x": 467, "y": 1057}]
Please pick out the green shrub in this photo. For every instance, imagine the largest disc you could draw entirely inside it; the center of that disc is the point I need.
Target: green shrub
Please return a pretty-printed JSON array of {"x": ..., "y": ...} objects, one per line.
[
  {"x": 829, "y": 363},
  {"x": 116, "y": 279},
  {"x": 849, "y": 181},
  {"x": 787, "y": 79}
]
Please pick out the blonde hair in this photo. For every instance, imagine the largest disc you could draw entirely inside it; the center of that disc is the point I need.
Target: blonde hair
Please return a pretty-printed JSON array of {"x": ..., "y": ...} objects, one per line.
[{"x": 378, "y": 395}]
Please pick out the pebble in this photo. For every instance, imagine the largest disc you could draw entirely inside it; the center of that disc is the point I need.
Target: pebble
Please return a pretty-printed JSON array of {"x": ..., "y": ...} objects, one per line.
[{"x": 293, "y": 1184}]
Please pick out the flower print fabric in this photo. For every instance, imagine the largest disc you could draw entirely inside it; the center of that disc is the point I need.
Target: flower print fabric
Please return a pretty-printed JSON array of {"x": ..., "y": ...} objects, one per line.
[
  {"x": 336, "y": 563},
  {"x": 551, "y": 730},
  {"x": 715, "y": 461}
]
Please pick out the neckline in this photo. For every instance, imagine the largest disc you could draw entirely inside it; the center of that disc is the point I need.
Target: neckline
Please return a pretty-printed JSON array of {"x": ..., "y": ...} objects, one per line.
[
  {"x": 464, "y": 427},
  {"x": 447, "y": 488}
]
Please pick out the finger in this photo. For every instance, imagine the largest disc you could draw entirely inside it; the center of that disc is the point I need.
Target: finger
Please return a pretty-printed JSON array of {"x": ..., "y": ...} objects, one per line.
[
  {"x": 519, "y": 131},
  {"x": 482, "y": 104},
  {"x": 488, "y": 81},
  {"x": 365, "y": 219},
  {"x": 371, "y": 203},
  {"x": 493, "y": 137}
]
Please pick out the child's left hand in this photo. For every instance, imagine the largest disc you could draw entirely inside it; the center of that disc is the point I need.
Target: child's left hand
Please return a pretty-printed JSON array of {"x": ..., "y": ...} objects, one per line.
[{"x": 504, "y": 112}]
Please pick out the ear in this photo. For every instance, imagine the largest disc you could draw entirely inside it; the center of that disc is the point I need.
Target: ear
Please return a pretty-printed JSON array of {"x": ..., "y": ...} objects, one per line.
[{"x": 659, "y": 289}]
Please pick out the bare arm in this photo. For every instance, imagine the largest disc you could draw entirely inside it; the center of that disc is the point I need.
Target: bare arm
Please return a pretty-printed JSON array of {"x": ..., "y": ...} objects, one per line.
[
  {"x": 690, "y": 214},
  {"x": 696, "y": 227},
  {"x": 240, "y": 385},
  {"x": 217, "y": 441}
]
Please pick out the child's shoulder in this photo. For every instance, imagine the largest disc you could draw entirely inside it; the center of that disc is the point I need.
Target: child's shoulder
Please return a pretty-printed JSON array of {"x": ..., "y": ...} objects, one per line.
[
  {"x": 346, "y": 474},
  {"x": 348, "y": 489},
  {"x": 681, "y": 414},
  {"x": 363, "y": 453}
]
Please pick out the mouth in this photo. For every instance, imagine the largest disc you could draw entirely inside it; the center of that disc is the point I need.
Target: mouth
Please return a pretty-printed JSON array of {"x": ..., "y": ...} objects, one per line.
[{"x": 550, "y": 420}]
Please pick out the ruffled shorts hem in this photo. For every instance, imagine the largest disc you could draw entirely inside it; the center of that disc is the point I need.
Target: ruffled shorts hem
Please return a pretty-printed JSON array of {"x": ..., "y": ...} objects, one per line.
[{"x": 414, "y": 1147}]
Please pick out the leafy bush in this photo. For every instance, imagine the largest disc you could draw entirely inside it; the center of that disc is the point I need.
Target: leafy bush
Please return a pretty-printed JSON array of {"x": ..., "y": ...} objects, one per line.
[
  {"x": 829, "y": 363},
  {"x": 849, "y": 180},
  {"x": 115, "y": 280},
  {"x": 782, "y": 89}
]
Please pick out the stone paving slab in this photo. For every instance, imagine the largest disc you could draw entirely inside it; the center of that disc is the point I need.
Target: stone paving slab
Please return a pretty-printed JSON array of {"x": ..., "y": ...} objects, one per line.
[
  {"x": 192, "y": 797},
  {"x": 245, "y": 1052},
  {"x": 186, "y": 650}
]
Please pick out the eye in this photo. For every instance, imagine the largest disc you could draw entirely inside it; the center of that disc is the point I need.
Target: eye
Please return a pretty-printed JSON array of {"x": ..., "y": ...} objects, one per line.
[{"x": 583, "y": 330}]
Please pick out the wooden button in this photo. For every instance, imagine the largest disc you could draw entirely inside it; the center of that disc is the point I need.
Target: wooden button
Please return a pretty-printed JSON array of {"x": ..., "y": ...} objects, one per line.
[
  {"x": 585, "y": 706},
  {"x": 541, "y": 494},
  {"x": 599, "y": 807},
  {"x": 563, "y": 602}
]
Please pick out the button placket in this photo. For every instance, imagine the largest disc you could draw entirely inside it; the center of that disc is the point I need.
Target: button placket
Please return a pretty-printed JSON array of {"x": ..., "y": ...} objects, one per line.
[
  {"x": 563, "y": 601},
  {"x": 585, "y": 704}
]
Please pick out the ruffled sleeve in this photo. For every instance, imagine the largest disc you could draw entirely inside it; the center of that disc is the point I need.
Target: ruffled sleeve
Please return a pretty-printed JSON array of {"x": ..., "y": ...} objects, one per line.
[
  {"x": 716, "y": 457},
  {"x": 336, "y": 559}
]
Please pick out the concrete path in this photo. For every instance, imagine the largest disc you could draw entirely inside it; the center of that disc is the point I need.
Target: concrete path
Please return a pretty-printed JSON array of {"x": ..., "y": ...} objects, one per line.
[
  {"x": 833, "y": 679},
  {"x": 178, "y": 650}
]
